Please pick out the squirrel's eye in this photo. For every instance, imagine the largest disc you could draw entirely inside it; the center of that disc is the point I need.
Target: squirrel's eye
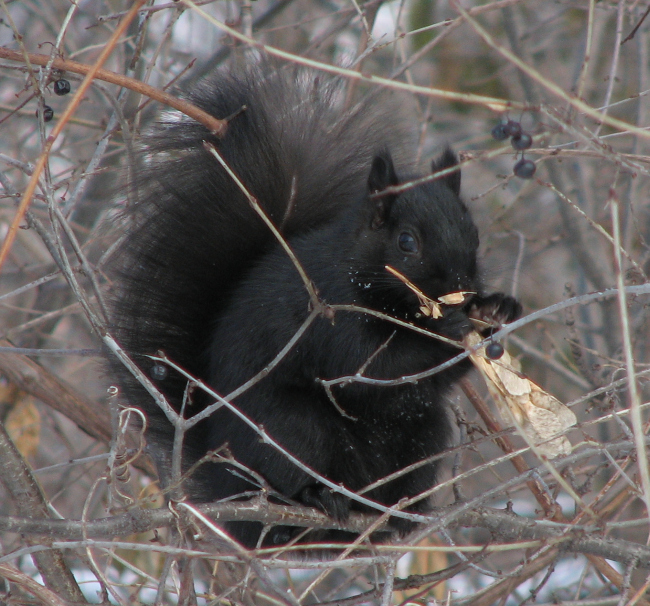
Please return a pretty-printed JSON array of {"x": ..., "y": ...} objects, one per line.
[{"x": 407, "y": 243}]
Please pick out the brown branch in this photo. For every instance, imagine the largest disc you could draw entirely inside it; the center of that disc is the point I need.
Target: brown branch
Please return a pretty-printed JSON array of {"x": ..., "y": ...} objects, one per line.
[
  {"x": 28, "y": 498},
  {"x": 551, "y": 508},
  {"x": 31, "y": 377},
  {"x": 635, "y": 29},
  {"x": 503, "y": 588},
  {"x": 25, "y": 582},
  {"x": 214, "y": 125},
  {"x": 505, "y": 527}
]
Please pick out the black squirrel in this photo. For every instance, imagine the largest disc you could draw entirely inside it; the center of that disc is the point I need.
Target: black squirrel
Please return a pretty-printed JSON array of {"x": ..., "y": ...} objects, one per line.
[{"x": 202, "y": 279}]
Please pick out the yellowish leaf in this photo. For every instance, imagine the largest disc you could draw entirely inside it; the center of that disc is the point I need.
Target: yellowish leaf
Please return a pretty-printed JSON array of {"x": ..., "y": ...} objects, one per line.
[
  {"x": 23, "y": 424},
  {"x": 455, "y": 298},
  {"x": 428, "y": 306},
  {"x": 522, "y": 403}
]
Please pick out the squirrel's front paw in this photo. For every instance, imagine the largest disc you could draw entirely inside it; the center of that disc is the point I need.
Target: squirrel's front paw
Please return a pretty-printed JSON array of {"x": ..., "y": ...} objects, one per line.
[
  {"x": 495, "y": 309},
  {"x": 454, "y": 324}
]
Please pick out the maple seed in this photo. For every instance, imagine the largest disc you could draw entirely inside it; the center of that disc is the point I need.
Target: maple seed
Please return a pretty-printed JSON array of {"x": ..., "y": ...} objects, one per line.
[
  {"x": 521, "y": 141},
  {"x": 494, "y": 350},
  {"x": 539, "y": 416},
  {"x": 61, "y": 87},
  {"x": 524, "y": 169}
]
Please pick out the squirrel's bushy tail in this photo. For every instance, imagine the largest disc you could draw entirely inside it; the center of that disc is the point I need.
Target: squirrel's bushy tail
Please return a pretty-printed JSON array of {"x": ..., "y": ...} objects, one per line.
[{"x": 192, "y": 234}]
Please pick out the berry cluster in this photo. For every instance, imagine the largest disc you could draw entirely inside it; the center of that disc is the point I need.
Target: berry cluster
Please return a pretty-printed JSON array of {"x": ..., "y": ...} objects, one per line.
[
  {"x": 61, "y": 87},
  {"x": 521, "y": 141}
]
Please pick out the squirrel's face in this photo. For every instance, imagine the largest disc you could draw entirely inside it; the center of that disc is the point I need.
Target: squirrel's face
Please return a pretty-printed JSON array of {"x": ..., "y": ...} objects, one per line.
[
  {"x": 426, "y": 233},
  {"x": 431, "y": 239}
]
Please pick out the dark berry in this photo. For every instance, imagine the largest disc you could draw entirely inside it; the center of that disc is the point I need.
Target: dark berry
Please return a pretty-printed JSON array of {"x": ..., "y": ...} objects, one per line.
[
  {"x": 524, "y": 169},
  {"x": 62, "y": 87},
  {"x": 48, "y": 113},
  {"x": 499, "y": 132},
  {"x": 521, "y": 141},
  {"x": 512, "y": 128},
  {"x": 494, "y": 350},
  {"x": 158, "y": 372}
]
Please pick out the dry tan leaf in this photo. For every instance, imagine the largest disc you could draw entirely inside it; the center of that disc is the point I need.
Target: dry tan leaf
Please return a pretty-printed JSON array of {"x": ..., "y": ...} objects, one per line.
[
  {"x": 513, "y": 383},
  {"x": 431, "y": 308},
  {"x": 428, "y": 306},
  {"x": 455, "y": 298},
  {"x": 522, "y": 403},
  {"x": 23, "y": 424}
]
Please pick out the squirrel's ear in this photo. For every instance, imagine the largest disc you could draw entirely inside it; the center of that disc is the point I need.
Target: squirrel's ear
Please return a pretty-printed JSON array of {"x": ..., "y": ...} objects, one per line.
[
  {"x": 382, "y": 175},
  {"x": 448, "y": 159}
]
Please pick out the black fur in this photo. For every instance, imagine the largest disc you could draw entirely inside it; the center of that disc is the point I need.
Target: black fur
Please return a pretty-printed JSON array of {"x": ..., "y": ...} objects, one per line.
[{"x": 202, "y": 279}]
